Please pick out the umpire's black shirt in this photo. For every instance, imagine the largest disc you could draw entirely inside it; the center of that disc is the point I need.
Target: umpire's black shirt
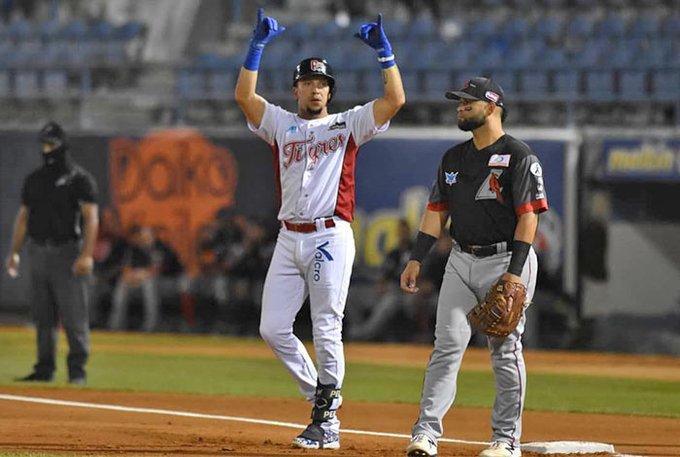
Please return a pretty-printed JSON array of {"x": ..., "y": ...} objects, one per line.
[
  {"x": 53, "y": 194},
  {"x": 486, "y": 190}
]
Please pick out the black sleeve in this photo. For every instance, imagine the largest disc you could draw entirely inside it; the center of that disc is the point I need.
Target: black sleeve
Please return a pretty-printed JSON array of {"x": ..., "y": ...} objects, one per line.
[{"x": 85, "y": 188}]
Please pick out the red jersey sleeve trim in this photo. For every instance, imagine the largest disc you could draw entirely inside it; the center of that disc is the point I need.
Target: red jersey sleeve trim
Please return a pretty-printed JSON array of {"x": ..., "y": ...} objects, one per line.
[
  {"x": 441, "y": 206},
  {"x": 537, "y": 205}
]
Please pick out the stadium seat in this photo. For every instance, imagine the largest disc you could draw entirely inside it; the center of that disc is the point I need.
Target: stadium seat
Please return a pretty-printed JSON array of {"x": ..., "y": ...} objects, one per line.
[
  {"x": 567, "y": 84},
  {"x": 580, "y": 27},
  {"x": 435, "y": 83},
  {"x": 348, "y": 86},
  {"x": 590, "y": 55},
  {"x": 517, "y": 28},
  {"x": 507, "y": 80},
  {"x": 599, "y": 85},
  {"x": 520, "y": 57},
  {"x": 191, "y": 84},
  {"x": 533, "y": 84},
  {"x": 5, "y": 88},
  {"x": 665, "y": 85},
  {"x": 547, "y": 28},
  {"x": 644, "y": 26},
  {"x": 552, "y": 58},
  {"x": 612, "y": 26},
  {"x": 481, "y": 28},
  {"x": 26, "y": 84},
  {"x": 221, "y": 84},
  {"x": 633, "y": 85},
  {"x": 55, "y": 83},
  {"x": 421, "y": 29}
]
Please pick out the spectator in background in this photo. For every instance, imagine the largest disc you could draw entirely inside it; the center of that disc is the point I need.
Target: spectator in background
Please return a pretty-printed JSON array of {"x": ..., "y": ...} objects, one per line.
[
  {"x": 208, "y": 292},
  {"x": 390, "y": 299},
  {"x": 251, "y": 257},
  {"x": 108, "y": 255},
  {"x": 139, "y": 271}
]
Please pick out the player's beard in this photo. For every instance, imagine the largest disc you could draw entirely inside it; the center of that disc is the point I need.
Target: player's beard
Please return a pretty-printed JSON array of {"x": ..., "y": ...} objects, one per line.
[
  {"x": 472, "y": 123},
  {"x": 313, "y": 112}
]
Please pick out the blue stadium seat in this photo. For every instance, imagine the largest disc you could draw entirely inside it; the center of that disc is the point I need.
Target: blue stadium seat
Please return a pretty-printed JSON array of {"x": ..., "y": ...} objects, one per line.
[
  {"x": 461, "y": 55},
  {"x": 567, "y": 84},
  {"x": 644, "y": 26},
  {"x": 129, "y": 31},
  {"x": 49, "y": 30},
  {"x": 553, "y": 58},
  {"x": 329, "y": 32},
  {"x": 191, "y": 84},
  {"x": 76, "y": 30},
  {"x": 436, "y": 83},
  {"x": 55, "y": 83},
  {"x": 599, "y": 85},
  {"x": 612, "y": 26},
  {"x": 533, "y": 84},
  {"x": 507, "y": 80},
  {"x": 580, "y": 27},
  {"x": 411, "y": 80},
  {"x": 299, "y": 31},
  {"x": 670, "y": 27},
  {"x": 520, "y": 57},
  {"x": 652, "y": 53},
  {"x": 26, "y": 84},
  {"x": 422, "y": 28},
  {"x": 633, "y": 85},
  {"x": 590, "y": 56},
  {"x": 547, "y": 28},
  {"x": 481, "y": 28},
  {"x": 516, "y": 28},
  {"x": 101, "y": 31},
  {"x": 490, "y": 58},
  {"x": 621, "y": 56},
  {"x": 221, "y": 84},
  {"x": 20, "y": 30},
  {"x": 348, "y": 86},
  {"x": 278, "y": 55},
  {"x": 5, "y": 88},
  {"x": 665, "y": 85}
]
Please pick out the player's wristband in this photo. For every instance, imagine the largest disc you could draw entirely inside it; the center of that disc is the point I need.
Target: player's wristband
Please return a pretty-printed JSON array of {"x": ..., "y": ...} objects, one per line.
[
  {"x": 386, "y": 57},
  {"x": 252, "y": 61},
  {"x": 424, "y": 243},
  {"x": 520, "y": 251}
]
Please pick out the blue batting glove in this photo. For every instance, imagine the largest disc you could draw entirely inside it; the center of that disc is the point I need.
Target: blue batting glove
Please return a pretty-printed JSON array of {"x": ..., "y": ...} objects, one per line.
[
  {"x": 265, "y": 30},
  {"x": 373, "y": 35}
]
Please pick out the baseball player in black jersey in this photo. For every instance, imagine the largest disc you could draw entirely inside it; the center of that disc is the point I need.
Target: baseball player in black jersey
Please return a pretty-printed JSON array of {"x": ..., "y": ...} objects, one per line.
[{"x": 491, "y": 188}]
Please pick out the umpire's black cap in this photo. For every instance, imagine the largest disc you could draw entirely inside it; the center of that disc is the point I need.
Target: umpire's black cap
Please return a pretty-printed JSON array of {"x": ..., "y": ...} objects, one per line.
[
  {"x": 52, "y": 133},
  {"x": 479, "y": 88}
]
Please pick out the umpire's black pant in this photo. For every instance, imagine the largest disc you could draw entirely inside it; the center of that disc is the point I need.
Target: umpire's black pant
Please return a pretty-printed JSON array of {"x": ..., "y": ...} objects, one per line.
[{"x": 58, "y": 294}]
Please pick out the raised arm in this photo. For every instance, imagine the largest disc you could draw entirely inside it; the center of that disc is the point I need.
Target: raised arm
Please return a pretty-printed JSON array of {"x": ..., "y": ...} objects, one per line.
[
  {"x": 387, "y": 106},
  {"x": 250, "y": 102}
]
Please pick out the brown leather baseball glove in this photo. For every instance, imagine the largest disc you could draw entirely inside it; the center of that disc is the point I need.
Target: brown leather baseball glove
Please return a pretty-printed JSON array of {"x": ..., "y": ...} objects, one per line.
[{"x": 501, "y": 310}]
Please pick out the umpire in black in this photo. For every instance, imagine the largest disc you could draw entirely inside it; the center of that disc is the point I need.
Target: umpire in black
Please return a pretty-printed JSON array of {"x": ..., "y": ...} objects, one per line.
[{"x": 59, "y": 216}]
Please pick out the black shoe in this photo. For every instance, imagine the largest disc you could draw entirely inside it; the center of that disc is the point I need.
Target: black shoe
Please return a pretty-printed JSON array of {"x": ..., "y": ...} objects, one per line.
[{"x": 35, "y": 377}]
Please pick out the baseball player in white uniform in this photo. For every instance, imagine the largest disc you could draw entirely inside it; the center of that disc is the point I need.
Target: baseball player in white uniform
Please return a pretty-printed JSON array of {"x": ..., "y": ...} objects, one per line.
[{"x": 315, "y": 156}]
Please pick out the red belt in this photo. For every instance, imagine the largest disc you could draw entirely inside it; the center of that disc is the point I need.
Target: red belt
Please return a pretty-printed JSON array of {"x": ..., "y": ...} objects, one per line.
[{"x": 307, "y": 227}]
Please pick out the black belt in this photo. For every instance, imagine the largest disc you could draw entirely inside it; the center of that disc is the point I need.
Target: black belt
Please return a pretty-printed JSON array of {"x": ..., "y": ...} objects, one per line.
[
  {"x": 50, "y": 242},
  {"x": 486, "y": 251}
]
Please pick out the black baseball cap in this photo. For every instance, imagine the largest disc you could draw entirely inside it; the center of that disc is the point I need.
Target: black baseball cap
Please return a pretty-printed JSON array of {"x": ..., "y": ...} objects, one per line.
[{"x": 479, "y": 88}]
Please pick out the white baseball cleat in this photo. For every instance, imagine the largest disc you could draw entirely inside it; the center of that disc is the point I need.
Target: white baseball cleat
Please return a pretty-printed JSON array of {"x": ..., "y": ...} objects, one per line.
[
  {"x": 421, "y": 445},
  {"x": 501, "y": 449}
]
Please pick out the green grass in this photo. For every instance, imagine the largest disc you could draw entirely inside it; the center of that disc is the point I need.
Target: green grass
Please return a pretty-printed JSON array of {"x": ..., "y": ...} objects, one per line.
[{"x": 119, "y": 367}]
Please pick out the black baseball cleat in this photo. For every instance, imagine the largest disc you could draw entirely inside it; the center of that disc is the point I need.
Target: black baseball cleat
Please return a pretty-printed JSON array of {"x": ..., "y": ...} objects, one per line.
[
  {"x": 35, "y": 377},
  {"x": 78, "y": 381}
]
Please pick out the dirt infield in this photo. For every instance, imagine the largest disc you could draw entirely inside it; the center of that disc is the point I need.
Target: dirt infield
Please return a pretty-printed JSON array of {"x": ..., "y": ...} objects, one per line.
[{"x": 75, "y": 430}]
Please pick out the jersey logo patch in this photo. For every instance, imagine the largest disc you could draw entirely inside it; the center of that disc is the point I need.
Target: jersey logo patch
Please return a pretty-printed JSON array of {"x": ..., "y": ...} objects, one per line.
[
  {"x": 292, "y": 129},
  {"x": 536, "y": 169},
  {"x": 338, "y": 125},
  {"x": 63, "y": 180},
  {"x": 451, "y": 178},
  {"x": 499, "y": 160},
  {"x": 491, "y": 188}
]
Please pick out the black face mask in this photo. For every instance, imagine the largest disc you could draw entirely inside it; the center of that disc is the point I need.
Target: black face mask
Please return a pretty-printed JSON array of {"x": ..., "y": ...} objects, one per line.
[{"x": 58, "y": 158}]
